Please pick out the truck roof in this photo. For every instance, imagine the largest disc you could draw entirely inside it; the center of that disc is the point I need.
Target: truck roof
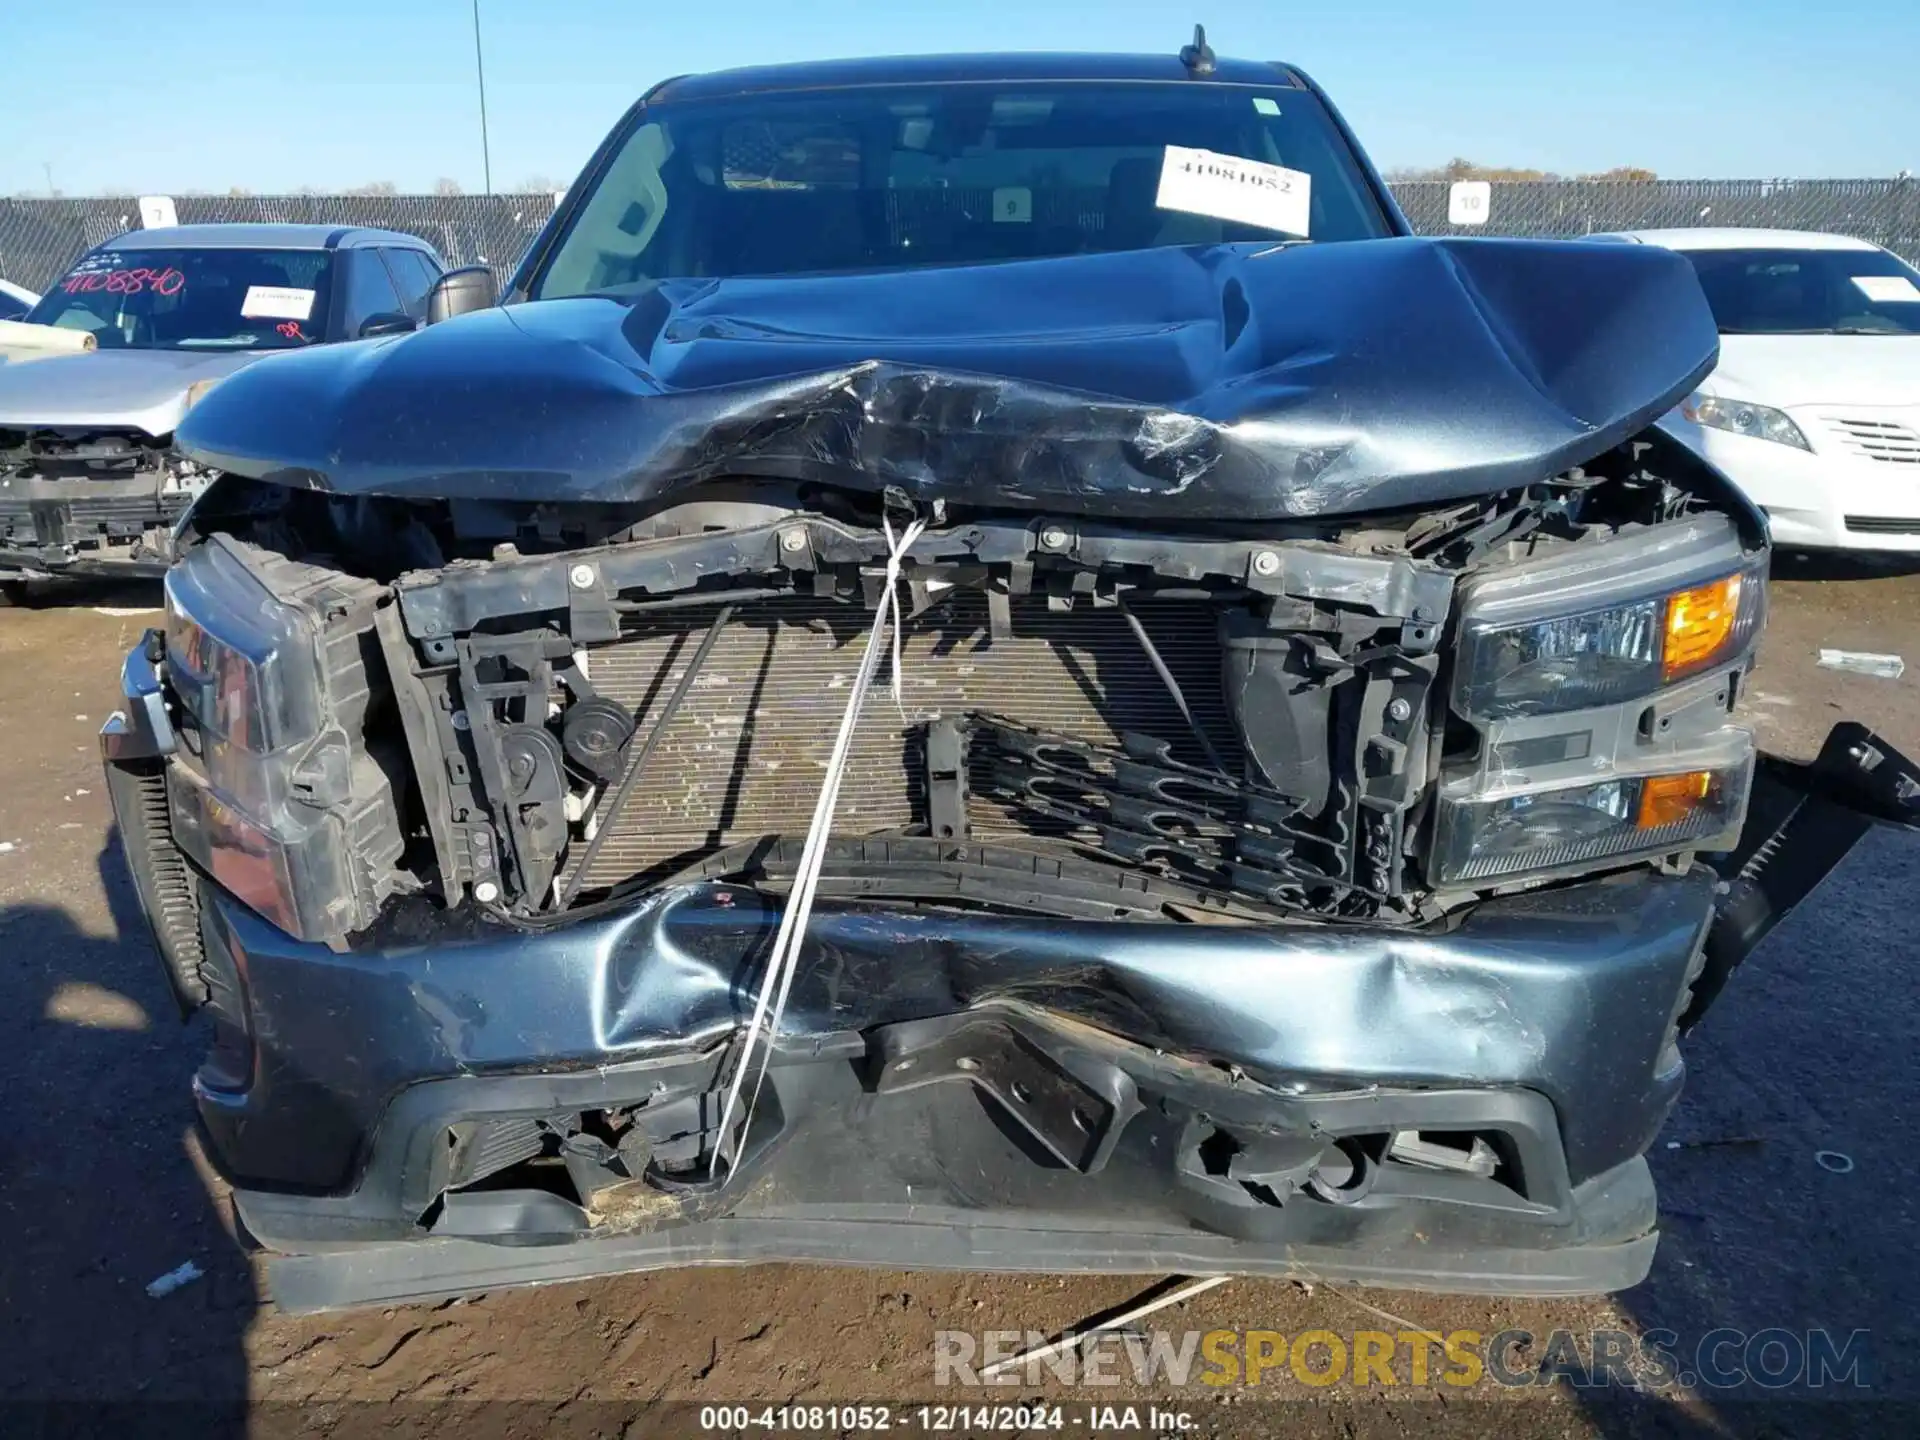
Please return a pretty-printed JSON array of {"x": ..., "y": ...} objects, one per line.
[
  {"x": 268, "y": 236},
  {"x": 1037, "y": 67}
]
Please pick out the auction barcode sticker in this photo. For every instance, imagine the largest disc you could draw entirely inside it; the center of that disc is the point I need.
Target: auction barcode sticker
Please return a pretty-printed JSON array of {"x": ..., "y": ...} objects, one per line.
[
  {"x": 277, "y": 302},
  {"x": 1885, "y": 288},
  {"x": 1227, "y": 187}
]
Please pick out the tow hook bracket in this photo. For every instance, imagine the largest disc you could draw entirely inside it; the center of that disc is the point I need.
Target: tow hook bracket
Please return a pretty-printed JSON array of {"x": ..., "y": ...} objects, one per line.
[
  {"x": 1802, "y": 821},
  {"x": 947, "y": 779},
  {"x": 1076, "y": 1114},
  {"x": 1859, "y": 770}
]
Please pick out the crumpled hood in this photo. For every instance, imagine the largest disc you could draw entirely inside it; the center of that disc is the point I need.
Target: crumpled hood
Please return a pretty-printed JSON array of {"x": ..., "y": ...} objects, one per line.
[
  {"x": 127, "y": 389},
  {"x": 1227, "y": 382}
]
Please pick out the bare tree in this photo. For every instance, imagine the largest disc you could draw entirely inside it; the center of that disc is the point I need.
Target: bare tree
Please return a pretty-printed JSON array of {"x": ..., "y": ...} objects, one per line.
[
  {"x": 446, "y": 186},
  {"x": 375, "y": 187},
  {"x": 1460, "y": 168}
]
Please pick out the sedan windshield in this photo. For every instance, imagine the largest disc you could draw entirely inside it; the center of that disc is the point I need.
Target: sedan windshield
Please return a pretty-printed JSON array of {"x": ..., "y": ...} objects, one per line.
[
  {"x": 214, "y": 299},
  {"x": 884, "y": 178},
  {"x": 1809, "y": 292}
]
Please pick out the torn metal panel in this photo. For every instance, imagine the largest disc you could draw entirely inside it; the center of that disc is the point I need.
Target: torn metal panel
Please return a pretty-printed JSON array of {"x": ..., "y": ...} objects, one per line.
[
  {"x": 1367, "y": 375},
  {"x": 1568, "y": 992}
]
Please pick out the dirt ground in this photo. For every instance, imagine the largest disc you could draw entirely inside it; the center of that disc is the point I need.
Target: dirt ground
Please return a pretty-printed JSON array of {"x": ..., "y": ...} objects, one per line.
[{"x": 102, "y": 1187}]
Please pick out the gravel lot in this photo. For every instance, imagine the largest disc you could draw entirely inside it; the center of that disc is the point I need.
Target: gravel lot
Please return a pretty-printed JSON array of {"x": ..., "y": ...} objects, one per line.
[{"x": 102, "y": 1187}]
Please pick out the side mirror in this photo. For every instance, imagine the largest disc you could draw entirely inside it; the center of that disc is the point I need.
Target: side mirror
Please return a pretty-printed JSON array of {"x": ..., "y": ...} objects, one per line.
[
  {"x": 390, "y": 322},
  {"x": 460, "y": 292}
]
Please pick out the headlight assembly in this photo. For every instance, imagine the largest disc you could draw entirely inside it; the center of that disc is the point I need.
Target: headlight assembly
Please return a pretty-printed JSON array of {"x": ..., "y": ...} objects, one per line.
[
  {"x": 244, "y": 665},
  {"x": 1546, "y": 828},
  {"x": 1606, "y": 624},
  {"x": 1738, "y": 417},
  {"x": 270, "y": 794}
]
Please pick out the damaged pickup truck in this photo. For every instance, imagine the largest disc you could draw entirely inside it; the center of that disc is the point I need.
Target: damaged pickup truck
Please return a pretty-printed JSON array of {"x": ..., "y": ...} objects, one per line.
[
  {"x": 985, "y": 664},
  {"x": 90, "y": 482}
]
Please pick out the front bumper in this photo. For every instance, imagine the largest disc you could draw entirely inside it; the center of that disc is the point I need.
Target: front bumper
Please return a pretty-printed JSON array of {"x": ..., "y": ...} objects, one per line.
[
  {"x": 1546, "y": 1023},
  {"x": 86, "y": 528},
  {"x": 1824, "y": 499},
  {"x": 972, "y": 1090}
]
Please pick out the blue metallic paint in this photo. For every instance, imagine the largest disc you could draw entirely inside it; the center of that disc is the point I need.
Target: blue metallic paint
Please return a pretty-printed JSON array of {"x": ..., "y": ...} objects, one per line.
[
  {"x": 1570, "y": 992},
  {"x": 1364, "y": 375}
]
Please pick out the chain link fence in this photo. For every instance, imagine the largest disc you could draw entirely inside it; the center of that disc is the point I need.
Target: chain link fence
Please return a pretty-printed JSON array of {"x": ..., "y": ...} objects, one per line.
[
  {"x": 1887, "y": 212},
  {"x": 39, "y": 238}
]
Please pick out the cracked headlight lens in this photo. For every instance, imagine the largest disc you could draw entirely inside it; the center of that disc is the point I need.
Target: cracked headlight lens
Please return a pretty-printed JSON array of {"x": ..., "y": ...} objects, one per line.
[{"x": 1739, "y": 417}]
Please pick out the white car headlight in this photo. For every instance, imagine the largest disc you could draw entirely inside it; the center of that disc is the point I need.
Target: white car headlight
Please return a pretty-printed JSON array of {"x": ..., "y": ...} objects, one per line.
[{"x": 1739, "y": 417}]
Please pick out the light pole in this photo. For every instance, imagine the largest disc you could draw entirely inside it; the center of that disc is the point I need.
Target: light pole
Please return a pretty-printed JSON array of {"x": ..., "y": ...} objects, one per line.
[{"x": 480, "y": 71}]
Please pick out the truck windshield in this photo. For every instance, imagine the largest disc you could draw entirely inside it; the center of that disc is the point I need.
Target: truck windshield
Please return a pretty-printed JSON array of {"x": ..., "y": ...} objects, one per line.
[
  {"x": 185, "y": 299},
  {"x": 1809, "y": 292},
  {"x": 954, "y": 174}
]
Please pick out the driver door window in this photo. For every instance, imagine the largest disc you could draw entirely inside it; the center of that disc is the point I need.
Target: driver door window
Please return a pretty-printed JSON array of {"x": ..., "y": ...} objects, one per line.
[
  {"x": 370, "y": 291},
  {"x": 413, "y": 276}
]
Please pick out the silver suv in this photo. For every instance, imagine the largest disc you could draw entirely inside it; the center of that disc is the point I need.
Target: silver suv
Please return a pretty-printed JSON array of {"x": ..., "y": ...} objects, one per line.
[{"x": 89, "y": 479}]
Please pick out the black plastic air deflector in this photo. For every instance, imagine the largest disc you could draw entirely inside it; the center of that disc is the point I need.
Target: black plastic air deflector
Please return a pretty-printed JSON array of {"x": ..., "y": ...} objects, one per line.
[{"x": 168, "y": 890}]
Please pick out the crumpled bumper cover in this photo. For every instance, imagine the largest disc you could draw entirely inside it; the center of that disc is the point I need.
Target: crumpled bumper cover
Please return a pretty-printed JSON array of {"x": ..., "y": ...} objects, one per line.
[
  {"x": 1572, "y": 993},
  {"x": 976, "y": 1091}
]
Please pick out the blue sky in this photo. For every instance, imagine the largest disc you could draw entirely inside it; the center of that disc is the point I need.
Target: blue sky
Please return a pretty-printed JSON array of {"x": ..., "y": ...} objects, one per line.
[{"x": 272, "y": 95}]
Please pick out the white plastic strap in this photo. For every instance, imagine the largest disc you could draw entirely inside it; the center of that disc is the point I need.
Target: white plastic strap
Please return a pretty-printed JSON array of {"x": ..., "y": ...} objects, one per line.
[{"x": 783, "y": 960}]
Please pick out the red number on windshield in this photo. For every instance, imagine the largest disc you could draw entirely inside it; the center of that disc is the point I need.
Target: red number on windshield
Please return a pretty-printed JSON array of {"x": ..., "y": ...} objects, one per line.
[{"x": 126, "y": 282}]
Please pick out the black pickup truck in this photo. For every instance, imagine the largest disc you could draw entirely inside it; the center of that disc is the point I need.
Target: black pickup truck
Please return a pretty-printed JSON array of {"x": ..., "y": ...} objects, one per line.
[{"x": 983, "y": 662}]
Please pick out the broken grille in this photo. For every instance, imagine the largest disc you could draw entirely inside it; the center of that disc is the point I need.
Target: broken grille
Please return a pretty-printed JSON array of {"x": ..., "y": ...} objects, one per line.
[{"x": 746, "y": 753}]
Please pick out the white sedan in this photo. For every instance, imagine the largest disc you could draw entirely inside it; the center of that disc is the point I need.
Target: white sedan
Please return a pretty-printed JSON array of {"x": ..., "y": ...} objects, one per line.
[{"x": 1814, "y": 409}]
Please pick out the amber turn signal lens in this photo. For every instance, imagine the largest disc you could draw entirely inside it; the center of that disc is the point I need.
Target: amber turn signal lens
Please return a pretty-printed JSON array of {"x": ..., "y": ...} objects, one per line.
[
  {"x": 1699, "y": 622},
  {"x": 1669, "y": 799}
]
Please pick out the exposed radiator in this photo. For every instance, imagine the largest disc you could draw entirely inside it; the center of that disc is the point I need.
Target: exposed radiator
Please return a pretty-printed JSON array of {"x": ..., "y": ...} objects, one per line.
[{"x": 745, "y": 755}]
